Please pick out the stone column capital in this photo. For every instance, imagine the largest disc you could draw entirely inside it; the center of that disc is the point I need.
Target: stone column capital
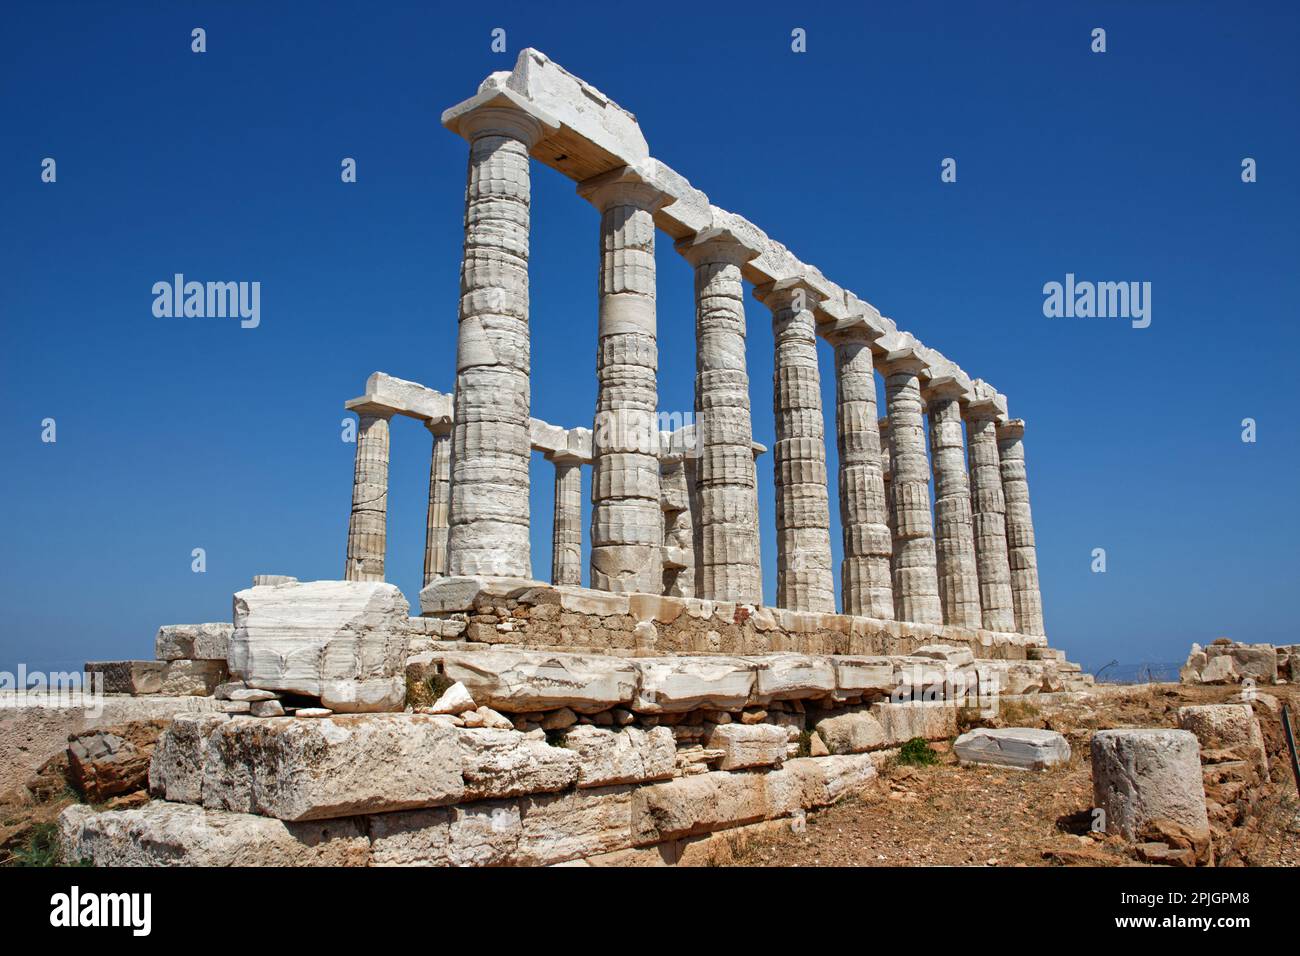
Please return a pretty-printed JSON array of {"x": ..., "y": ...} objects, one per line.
[
  {"x": 718, "y": 244},
  {"x": 502, "y": 112},
  {"x": 623, "y": 186},
  {"x": 437, "y": 428},
  {"x": 370, "y": 409},
  {"x": 1011, "y": 429},
  {"x": 786, "y": 293},
  {"x": 559, "y": 458}
]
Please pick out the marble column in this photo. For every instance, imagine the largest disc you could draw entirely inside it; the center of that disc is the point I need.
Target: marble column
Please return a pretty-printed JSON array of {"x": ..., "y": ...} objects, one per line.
[
  {"x": 959, "y": 590},
  {"x": 916, "y": 584},
  {"x": 725, "y": 471},
  {"x": 1022, "y": 554},
  {"x": 804, "y": 579},
  {"x": 989, "y": 517},
  {"x": 887, "y": 473},
  {"x": 435, "y": 534},
  {"x": 679, "y": 525},
  {"x": 866, "y": 583},
  {"x": 566, "y": 530},
  {"x": 368, "y": 524},
  {"x": 490, "y": 445},
  {"x": 626, "y": 521}
]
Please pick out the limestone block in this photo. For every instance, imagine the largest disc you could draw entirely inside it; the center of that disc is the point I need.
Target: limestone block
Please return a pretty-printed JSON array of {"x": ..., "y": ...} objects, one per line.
[
  {"x": 198, "y": 642},
  {"x": 456, "y": 699},
  {"x": 630, "y": 755},
  {"x": 579, "y": 823},
  {"x": 1220, "y": 670},
  {"x": 516, "y": 682},
  {"x": 748, "y": 745},
  {"x": 178, "y": 834},
  {"x": 499, "y": 763},
  {"x": 1256, "y": 661},
  {"x": 810, "y": 782},
  {"x": 1226, "y": 727},
  {"x": 674, "y": 685},
  {"x": 697, "y": 804},
  {"x": 461, "y": 592},
  {"x": 266, "y": 708},
  {"x": 792, "y": 677},
  {"x": 951, "y": 653},
  {"x": 1023, "y": 748},
  {"x": 102, "y": 765},
  {"x": 860, "y": 675},
  {"x": 332, "y": 767},
  {"x": 479, "y": 834},
  {"x": 1143, "y": 775},
  {"x": 341, "y": 641},
  {"x": 929, "y": 720},
  {"x": 852, "y": 733},
  {"x": 128, "y": 677},
  {"x": 192, "y": 678},
  {"x": 176, "y": 768}
]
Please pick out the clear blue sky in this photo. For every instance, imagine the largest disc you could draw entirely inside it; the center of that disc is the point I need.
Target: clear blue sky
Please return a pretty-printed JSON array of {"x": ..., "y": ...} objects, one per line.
[{"x": 175, "y": 434}]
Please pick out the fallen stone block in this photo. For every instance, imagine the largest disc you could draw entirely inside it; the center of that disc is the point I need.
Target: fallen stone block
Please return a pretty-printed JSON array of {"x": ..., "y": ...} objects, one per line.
[
  {"x": 927, "y": 720},
  {"x": 674, "y": 685},
  {"x": 127, "y": 677},
  {"x": 515, "y": 682},
  {"x": 195, "y": 642},
  {"x": 748, "y": 745},
  {"x": 630, "y": 755},
  {"x": 1143, "y": 775},
  {"x": 103, "y": 764},
  {"x": 1227, "y": 727},
  {"x": 853, "y": 733},
  {"x": 332, "y": 767},
  {"x": 341, "y": 641},
  {"x": 1024, "y": 748},
  {"x": 179, "y": 834},
  {"x": 1220, "y": 670}
]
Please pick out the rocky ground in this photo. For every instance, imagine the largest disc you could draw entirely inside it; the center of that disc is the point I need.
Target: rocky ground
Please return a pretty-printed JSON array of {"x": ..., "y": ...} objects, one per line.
[{"x": 948, "y": 815}]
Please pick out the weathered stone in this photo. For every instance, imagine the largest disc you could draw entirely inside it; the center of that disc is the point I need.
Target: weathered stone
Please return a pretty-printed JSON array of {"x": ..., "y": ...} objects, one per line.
[
  {"x": 851, "y": 733},
  {"x": 176, "y": 768},
  {"x": 1023, "y": 748},
  {"x": 928, "y": 720},
  {"x": 949, "y": 653},
  {"x": 861, "y": 675},
  {"x": 192, "y": 678},
  {"x": 515, "y": 682},
  {"x": 1220, "y": 670},
  {"x": 456, "y": 699},
  {"x": 102, "y": 765},
  {"x": 198, "y": 642},
  {"x": 333, "y": 767},
  {"x": 341, "y": 641},
  {"x": 1226, "y": 727},
  {"x": 630, "y": 755},
  {"x": 178, "y": 834},
  {"x": 679, "y": 684},
  {"x": 250, "y": 694},
  {"x": 266, "y": 708},
  {"x": 505, "y": 763},
  {"x": 743, "y": 746},
  {"x": 792, "y": 676},
  {"x": 1143, "y": 775},
  {"x": 697, "y": 804},
  {"x": 127, "y": 677}
]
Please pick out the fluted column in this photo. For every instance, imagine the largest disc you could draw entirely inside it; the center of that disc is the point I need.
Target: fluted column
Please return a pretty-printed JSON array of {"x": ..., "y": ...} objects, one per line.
[
  {"x": 887, "y": 473},
  {"x": 368, "y": 524},
  {"x": 725, "y": 473},
  {"x": 866, "y": 583},
  {"x": 959, "y": 591},
  {"x": 916, "y": 585},
  {"x": 566, "y": 530},
  {"x": 490, "y": 446},
  {"x": 679, "y": 525},
  {"x": 626, "y": 522},
  {"x": 435, "y": 534},
  {"x": 1022, "y": 553},
  {"x": 804, "y": 580},
  {"x": 989, "y": 506}
]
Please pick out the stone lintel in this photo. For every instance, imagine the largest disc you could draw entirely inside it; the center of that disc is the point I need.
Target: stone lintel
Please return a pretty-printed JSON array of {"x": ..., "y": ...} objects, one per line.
[
  {"x": 386, "y": 395},
  {"x": 984, "y": 402},
  {"x": 776, "y": 294},
  {"x": 497, "y": 108}
]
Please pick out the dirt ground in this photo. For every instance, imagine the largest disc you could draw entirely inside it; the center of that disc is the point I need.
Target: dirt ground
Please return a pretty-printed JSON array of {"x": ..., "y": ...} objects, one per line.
[{"x": 948, "y": 815}]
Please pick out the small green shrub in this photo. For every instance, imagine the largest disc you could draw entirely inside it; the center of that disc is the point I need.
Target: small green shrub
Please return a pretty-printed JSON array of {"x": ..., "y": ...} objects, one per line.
[
  {"x": 917, "y": 753},
  {"x": 41, "y": 848}
]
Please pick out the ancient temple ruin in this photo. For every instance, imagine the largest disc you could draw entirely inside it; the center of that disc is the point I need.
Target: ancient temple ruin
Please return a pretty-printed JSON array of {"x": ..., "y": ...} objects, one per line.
[{"x": 676, "y": 513}]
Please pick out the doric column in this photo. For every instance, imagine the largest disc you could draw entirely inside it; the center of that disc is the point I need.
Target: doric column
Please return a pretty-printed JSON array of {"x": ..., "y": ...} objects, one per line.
[
  {"x": 803, "y": 546},
  {"x": 725, "y": 472},
  {"x": 368, "y": 524},
  {"x": 435, "y": 535},
  {"x": 916, "y": 586},
  {"x": 490, "y": 446},
  {"x": 959, "y": 590},
  {"x": 866, "y": 583},
  {"x": 887, "y": 473},
  {"x": 626, "y": 522},
  {"x": 989, "y": 512},
  {"x": 1021, "y": 552},
  {"x": 566, "y": 531},
  {"x": 679, "y": 523}
]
